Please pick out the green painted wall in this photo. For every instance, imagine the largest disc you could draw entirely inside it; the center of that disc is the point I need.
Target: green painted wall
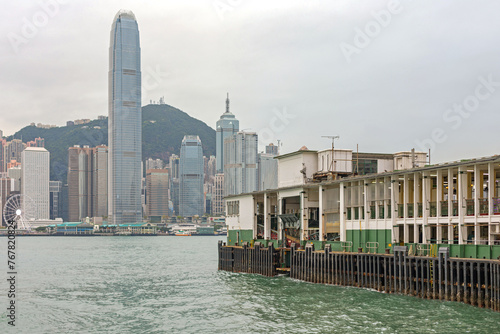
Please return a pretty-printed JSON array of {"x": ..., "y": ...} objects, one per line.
[
  {"x": 245, "y": 235},
  {"x": 359, "y": 239}
]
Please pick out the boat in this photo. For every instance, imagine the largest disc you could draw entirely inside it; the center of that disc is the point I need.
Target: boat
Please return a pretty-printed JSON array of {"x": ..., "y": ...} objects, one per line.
[
  {"x": 223, "y": 231},
  {"x": 183, "y": 234}
]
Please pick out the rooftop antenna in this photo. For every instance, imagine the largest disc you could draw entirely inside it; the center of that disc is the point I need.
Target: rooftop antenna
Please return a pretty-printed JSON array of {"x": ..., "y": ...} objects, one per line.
[
  {"x": 333, "y": 152},
  {"x": 227, "y": 103},
  {"x": 279, "y": 141}
]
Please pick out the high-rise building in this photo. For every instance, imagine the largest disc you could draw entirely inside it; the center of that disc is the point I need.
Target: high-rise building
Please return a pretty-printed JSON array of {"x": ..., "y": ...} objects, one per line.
[
  {"x": 157, "y": 192},
  {"x": 38, "y": 142},
  {"x": 12, "y": 151},
  {"x": 174, "y": 166},
  {"x": 272, "y": 149},
  {"x": 207, "y": 198},
  {"x": 124, "y": 121},
  {"x": 3, "y": 144},
  {"x": 6, "y": 186},
  {"x": 79, "y": 183},
  {"x": 154, "y": 164},
  {"x": 100, "y": 181},
  {"x": 55, "y": 188},
  {"x": 268, "y": 171},
  {"x": 191, "y": 177},
  {"x": 35, "y": 179},
  {"x": 87, "y": 182},
  {"x": 241, "y": 163},
  {"x": 174, "y": 182},
  {"x": 226, "y": 126},
  {"x": 210, "y": 169},
  {"x": 218, "y": 195},
  {"x": 15, "y": 173}
]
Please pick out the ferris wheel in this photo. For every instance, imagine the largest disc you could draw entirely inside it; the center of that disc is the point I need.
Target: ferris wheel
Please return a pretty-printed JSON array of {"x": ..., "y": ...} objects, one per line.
[{"x": 20, "y": 209}]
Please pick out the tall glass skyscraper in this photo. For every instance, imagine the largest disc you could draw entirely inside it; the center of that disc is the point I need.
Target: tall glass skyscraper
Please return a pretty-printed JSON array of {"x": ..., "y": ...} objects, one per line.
[
  {"x": 124, "y": 122},
  {"x": 226, "y": 126},
  {"x": 191, "y": 174}
]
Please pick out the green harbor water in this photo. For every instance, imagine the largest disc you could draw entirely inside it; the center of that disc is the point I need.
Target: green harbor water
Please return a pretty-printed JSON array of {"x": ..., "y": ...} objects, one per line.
[{"x": 171, "y": 285}]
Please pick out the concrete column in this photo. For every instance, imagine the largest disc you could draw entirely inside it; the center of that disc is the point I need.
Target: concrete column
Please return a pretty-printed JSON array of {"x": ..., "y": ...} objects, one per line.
[
  {"x": 406, "y": 195},
  {"x": 478, "y": 192},
  {"x": 425, "y": 205},
  {"x": 255, "y": 218},
  {"x": 267, "y": 221},
  {"x": 302, "y": 220},
  {"x": 439, "y": 192},
  {"x": 387, "y": 194},
  {"x": 416, "y": 191},
  {"x": 491, "y": 184},
  {"x": 394, "y": 209},
  {"x": 280, "y": 212},
  {"x": 321, "y": 215},
  {"x": 462, "y": 187},
  {"x": 342, "y": 210},
  {"x": 366, "y": 204},
  {"x": 450, "y": 198}
]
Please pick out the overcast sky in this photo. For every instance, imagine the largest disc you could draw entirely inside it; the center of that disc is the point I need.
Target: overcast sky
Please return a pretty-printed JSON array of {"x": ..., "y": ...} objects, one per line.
[{"x": 383, "y": 75}]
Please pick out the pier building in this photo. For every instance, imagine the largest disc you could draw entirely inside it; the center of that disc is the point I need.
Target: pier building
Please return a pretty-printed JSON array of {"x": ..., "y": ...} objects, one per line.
[{"x": 373, "y": 202}]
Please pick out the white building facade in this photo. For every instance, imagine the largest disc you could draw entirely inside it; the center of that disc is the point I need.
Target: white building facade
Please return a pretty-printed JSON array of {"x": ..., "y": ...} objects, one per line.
[{"x": 35, "y": 179}]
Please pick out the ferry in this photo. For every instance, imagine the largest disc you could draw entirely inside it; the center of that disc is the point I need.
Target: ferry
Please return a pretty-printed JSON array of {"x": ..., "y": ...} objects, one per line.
[{"x": 183, "y": 234}]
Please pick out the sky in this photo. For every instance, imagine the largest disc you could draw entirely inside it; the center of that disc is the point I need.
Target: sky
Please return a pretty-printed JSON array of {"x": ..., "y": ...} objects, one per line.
[{"x": 384, "y": 76}]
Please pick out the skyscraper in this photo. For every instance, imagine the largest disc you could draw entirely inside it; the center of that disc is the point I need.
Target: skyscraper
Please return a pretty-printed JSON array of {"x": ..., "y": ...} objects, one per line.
[
  {"x": 218, "y": 195},
  {"x": 191, "y": 177},
  {"x": 124, "y": 121},
  {"x": 226, "y": 126},
  {"x": 241, "y": 163},
  {"x": 87, "y": 182},
  {"x": 35, "y": 179},
  {"x": 157, "y": 192},
  {"x": 100, "y": 181},
  {"x": 55, "y": 188},
  {"x": 79, "y": 182}
]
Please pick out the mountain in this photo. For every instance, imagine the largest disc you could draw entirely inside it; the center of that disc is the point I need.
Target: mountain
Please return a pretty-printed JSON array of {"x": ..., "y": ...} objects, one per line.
[{"x": 163, "y": 128}]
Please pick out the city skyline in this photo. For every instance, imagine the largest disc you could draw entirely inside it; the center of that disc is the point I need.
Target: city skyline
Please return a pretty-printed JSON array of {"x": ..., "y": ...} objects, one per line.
[{"x": 395, "y": 77}]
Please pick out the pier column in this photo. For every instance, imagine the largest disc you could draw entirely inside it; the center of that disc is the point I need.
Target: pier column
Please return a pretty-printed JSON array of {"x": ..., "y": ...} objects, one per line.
[
  {"x": 342, "y": 212},
  {"x": 462, "y": 187},
  {"x": 426, "y": 206},
  {"x": 491, "y": 185},
  {"x": 267, "y": 221},
  {"x": 255, "y": 213},
  {"x": 321, "y": 215},
  {"x": 478, "y": 192},
  {"x": 302, "y": 220},
  {"x": 450, "y": 204},
  {"x": 279, "y": 202},
  {"x": 394, "y": 209}
]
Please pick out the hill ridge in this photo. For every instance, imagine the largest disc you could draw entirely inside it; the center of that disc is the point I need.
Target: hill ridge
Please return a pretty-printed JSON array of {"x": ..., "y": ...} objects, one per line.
[{"x": 163, "y": 127}]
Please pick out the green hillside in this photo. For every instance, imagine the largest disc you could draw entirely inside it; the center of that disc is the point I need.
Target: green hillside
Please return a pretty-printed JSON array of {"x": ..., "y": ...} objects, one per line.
[{"x": 163, "y": 128}]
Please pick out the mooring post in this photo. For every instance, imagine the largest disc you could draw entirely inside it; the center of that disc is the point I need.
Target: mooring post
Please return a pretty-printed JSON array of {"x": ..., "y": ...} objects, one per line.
[
  {"x": 400, "y": 254},
  {"x": 328, "y": 249},
  {"x": 443, "y": 255},
  {"x": 479, "y": 285}
]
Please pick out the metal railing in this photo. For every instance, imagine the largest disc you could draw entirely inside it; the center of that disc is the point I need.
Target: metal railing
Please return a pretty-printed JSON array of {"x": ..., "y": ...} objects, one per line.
[
  {"x": 409, "y": 208},
  {"x": 469, "y": 204},
  {"x": 432, "y": 209},
  {"x": 372, "y": 246},
  {"x": 346, "y": 246},
  {"x": 444, "y": 208}
]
